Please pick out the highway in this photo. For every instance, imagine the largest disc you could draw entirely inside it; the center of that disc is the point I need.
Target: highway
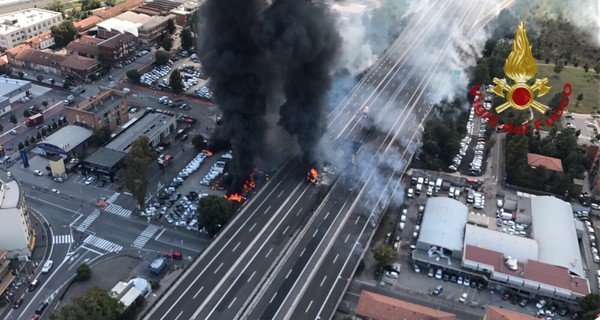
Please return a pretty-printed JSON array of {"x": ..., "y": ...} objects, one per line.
[{"x": 279, "y": 260}]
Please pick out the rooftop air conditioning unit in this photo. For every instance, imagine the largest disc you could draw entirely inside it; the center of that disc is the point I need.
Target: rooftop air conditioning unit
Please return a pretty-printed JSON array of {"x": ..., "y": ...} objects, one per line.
[{"x": 511, "y": 263}]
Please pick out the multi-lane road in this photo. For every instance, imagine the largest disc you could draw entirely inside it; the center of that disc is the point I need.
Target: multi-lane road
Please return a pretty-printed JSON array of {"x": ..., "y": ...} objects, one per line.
[{"x": 282, "y": 259}]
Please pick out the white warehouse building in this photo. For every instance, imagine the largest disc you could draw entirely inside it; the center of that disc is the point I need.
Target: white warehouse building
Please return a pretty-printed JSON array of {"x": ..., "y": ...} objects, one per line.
[{"x": 18, "y": 26}]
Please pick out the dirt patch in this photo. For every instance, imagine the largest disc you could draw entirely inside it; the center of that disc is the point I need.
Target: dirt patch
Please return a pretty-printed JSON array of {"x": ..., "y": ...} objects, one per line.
[{"x": 105, "y": 275}]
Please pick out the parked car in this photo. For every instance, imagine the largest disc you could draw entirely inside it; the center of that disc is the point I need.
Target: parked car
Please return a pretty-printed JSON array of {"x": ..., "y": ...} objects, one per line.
[
  {"x": 463, "y": 297},
  {"x": 438, "y": 290},
  {"x": 47, "y": 266},
  {"x": 38, "y": 173}
]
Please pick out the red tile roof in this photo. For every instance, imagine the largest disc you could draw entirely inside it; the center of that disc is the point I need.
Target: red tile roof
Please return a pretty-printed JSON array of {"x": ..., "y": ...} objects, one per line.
[
  {"x": 538, "y": 160},
  {"x": 118, "y": 9},
  {"x": 495, "y": 313},
  {"x": 85, "y": 45},
  {"x": 87, "y": 23},
  {"x": 379, "y": 307},
  {"x": 532, "y": 270},
  {"x": 39, "y": 38},
  {"x": 78, "y": 63},
  {"x": 40, "y": 57}
]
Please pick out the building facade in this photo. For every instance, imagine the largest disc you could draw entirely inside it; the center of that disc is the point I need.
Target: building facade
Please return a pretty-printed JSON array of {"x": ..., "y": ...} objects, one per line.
[
  {"x": 108, "y": 108},
  {"x": 117, "y": 49},
  {"x": 150, "y": 32},
  {"x": 19, "y": 26},
  {"x": 16, "y": 234}
]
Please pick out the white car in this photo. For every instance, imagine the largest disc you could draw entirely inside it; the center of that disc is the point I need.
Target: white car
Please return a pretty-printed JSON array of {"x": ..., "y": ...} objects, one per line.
[
  {"x": 38, "y": 173},
  {"x": 47, "y": 266},
  {"x": 392, "y": 274},
  {"x": 89, "y": 180},
  {"x": 541, "y": 304}
]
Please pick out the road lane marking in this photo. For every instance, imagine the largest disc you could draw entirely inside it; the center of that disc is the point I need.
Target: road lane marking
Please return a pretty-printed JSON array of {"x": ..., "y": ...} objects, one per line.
[
  {"x": 286, "y": 229},
  {"x": 268, "y": 253},
  {"x": 299, "y": 211},
  {"x": 314, "y": 234},
  {"x": 307, "y": 308},
  {"x": 179, "y": 315},
  {"x": 160, "y": 234},
  {"x": 347, "y": 237},
  {"x": 335, "y": 259},
  {"x": 301, "y": 253},
  {"x": 323, "y": 281},
  {"x": 252, "y": 275},
  {"x": 269, "y": 208},
  {"x": 197, "y": 293},
  {"x": 357, "y": 218},
  {"x": 231, "y": 303},
  {"x": 254, "y": 225},
  {"x": 279, "y": 196},
  {"x": 236, "y": 246},
  {"x": 218, "y": 268},
  {"x": 326, "y": 215},
  {"x": 288, "y": 274},
  {"x": 273, "y": 298}
]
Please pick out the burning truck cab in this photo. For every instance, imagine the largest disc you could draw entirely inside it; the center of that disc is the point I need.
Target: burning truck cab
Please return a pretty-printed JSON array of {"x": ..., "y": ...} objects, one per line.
[{"x": 315, "y": 178}]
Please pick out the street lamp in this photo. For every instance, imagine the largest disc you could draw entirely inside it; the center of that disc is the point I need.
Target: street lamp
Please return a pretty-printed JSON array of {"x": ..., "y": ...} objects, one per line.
[{"x": 182, "y": 247}]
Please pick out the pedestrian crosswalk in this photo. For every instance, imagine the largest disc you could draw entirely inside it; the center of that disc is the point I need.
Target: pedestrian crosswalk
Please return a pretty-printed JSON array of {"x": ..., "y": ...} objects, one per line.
[
  {"x": 102, "y": 244},
  {"x": 88, "y": 221},
  {"x": 118, "y": 210},
  {"x": 113, "y": 198},
  {"x": 145, "y": 236},
  {"x": 60, "y": 239}
]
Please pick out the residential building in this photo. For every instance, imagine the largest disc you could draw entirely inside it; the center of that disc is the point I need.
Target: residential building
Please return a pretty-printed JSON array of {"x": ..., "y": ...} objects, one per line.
[
  {"x": 21, "y": 25},
  {"x": 85, "y": 47},
  {"x": 108, "y": 108},
  {"x": 17, "y": 237},
  {"x": 80, "y": 67},
  {"x": 117, "y": 49},
  {"x": 184, "y": 13},
  {"x": 6, "y": 277},
  {"x": 537, "y": 160},
  {"x": 495, "y": 313},
  {"x": 149, "y": 28},
  {"x": 24, "y": 57},
  {"x": 111, "y": 27},
  {"x": 373, "y": 306},
  {"x": 87, "y": 23},
  {"x": 42, "y": 41}
]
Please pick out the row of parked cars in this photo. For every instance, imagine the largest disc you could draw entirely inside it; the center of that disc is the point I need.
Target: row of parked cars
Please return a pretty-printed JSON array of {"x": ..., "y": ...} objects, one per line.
[
  {"x": 152, "y": 77},
  {"x": 217, "y": 169},
  {"x": 204, "y": 93},
  {"x": 130, "y": 60}
]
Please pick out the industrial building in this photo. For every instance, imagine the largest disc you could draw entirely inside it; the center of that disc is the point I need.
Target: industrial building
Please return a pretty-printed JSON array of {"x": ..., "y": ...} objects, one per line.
[
  {"x": 104, "y": 162},
  {"x": 17, "y": 236},
  {"x": 153, "y": 124},
  {"x": 545, "y": 260},
  {"x": 68, "y": 140},
  {"x": 21, "y": 25},
  {"x": 12, "y": 90}
]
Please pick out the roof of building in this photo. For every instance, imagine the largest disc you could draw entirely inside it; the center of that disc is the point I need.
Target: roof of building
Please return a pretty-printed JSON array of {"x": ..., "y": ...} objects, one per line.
[
  {"x": 538, "y": 160},
  {"x": 85, "y": 45},
  {"x": 77, "y": 62},
  {"x": 495, "y": 313},
  {"x": 68, "y": 137},
  {"x": 379, "y": 307},
  {"x": 87, "y": 23},
  {"x": 113, "y": 42},
  {"x": 532, "y": 270},
  {"x": 39, "y": 57},
  {"x": 25, "y": 18},
  {"x": 153, "y": 121},
  {"x": 137, "y": 18},
  {"x": 104, "y": 157},
  {"x": 10, "y": 85},
  {"x": 14, "y": 51},
  {"x": 162, "y": 6},
  {"x": 517, "y": 247},
  {"x": 101, "y": 102},
  {"x": 157, "y": 20},
  {"x": 116, "y": 10},
  {"x": 121, "y": 26},
  {"x": 129, "y": 297},
  {"x": 554, "y": 230},
  {"x": 10, "y": 194},
  {"x": 39, "y": 38},
  {"x": 444, "y": 223}
]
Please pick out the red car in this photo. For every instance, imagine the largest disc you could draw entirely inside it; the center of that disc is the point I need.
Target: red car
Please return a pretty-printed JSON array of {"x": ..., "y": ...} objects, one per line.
[
  {"x": 506, "y": 295},
  {"x": 176, "y": 255}
]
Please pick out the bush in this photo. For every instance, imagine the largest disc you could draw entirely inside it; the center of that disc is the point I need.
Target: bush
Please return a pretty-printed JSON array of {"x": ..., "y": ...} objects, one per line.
[
  {"x": 84, "y": 272},
  {"x": 155, "y": 285}
]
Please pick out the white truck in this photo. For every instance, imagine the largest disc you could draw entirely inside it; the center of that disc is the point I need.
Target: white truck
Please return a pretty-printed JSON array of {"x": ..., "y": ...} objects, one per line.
[{"x": 438, "y": 184}]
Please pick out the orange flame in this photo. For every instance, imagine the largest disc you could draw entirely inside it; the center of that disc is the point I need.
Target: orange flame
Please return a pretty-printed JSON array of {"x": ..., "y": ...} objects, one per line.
[
  {"x": 312, "y": 175},
  {"x": 249, "y": 184},
  {"x": 207, "y": 152},
  {"x": 234, "y": 197}
]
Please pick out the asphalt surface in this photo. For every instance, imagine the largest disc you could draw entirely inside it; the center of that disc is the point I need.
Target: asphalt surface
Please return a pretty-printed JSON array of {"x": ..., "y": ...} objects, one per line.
[{"x": 278, "y": 260}]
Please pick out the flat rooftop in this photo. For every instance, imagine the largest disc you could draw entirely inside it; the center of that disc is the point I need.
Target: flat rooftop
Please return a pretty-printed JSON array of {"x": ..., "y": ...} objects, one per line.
[
  {"x": 147, "y": 125},
  {"x": 101, "y": 103},
  {"x": 8, "y": 86},
  {"x": 14, "y": 21},
  {"x": 104, "y": 157}
]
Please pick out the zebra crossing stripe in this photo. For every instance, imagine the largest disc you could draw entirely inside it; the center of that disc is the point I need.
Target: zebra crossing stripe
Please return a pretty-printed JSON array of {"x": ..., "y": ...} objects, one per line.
[
  {"x": 145, "y": 236},
  {"x": 62, "y": 239},
  {"x": 113, "y": 197},
  {"x": 118, "y": 210},
  {"x": 102, "y": 244},
  {"x": 88, "y": 221}
]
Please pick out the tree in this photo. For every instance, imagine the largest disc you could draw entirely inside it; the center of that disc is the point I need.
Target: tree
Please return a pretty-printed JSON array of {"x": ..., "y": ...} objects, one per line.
[
  {"x": 176, "y": 82},
  {"x": 84, "y": 272},
  {"x": 44, "y": 132},
  {"x": 161, "y": 57},
  {"x": 171, "y": 26},
  {"x": 384, "y": 255},
  {"x": 27, "y": 143},
  {"x": 57, "y": 6},
  {"x": 45, "y": 103},
  {"x": 52, "y": 81},
  {"x": 6, "y": 69},
  {"x": 555, "y": 101},
  {"x": 39, "y": 77},
  {"x": 93, "y": 304},
  {"x": 597, "y": 68},
  {"x": 187, "y": 40},
  {"x": 26, "y": 113},
  {"x": 13, "y": 119},
  {"x": 559, "y": 66},
  {"x": 39, "y": 135},
  {"x": 133, "y": 76},
  {"x": 110, "y": 3},
  {"x": 87, "y": 5},
  {"x": 199, "y": 142},
  {"x": 216, "y": 212},
  {"x": 590, "y": 306},
  {"x": 21, "y": 146},
  {"x": 101, "y": 136},
  {"x": 32, "y": 140},
  {"x": 167, "y": 43},
  {"x": 63, "y": 33},
  {"x": 54, "y": 126},
  {"x": 580, "y": 97},
  {"x": 137, "y": 162}
]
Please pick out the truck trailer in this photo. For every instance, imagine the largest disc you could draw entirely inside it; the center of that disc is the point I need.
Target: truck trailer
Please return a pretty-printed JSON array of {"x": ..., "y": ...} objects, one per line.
[{"x": 35, "y": 119}]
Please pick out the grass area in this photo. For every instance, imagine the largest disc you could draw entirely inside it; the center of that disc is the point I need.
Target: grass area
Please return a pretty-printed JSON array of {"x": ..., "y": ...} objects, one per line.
[{"x": 581, "y": 82}]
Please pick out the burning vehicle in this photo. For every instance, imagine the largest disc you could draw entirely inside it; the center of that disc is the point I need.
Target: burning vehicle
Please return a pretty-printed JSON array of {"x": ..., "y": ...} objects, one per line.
[
  {"x": 366, "y": 120},
  {"x": 324, "y": 178}
]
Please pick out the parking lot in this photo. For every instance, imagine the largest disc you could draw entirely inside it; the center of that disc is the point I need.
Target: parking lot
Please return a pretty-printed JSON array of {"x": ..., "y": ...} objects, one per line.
[{"x": 585, "y": 123}]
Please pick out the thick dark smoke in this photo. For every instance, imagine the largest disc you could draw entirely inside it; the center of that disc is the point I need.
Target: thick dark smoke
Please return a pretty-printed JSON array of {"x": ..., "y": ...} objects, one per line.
[
  {"x": 303, "y": 42},
  {"x": 239, "y": 77}
]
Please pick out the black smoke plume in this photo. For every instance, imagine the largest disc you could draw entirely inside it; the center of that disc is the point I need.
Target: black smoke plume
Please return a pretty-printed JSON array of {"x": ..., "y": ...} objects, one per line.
[
  {"x": 303, "y": 41},
  {"x": 239, "y": 77}
]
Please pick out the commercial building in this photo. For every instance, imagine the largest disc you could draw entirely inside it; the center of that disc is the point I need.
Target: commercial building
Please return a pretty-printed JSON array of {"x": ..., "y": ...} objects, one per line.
[
  {"x": 69, "y": 140},
  {"x": 108, "y": 108},
  {"x": 111, "y": 27},
  {"x": 373, "y": 306},
  {"x": 155, "y": 125},
  {"x": 184, "y": 13},
  {"x": 104, "y": 162},
  {"x": 117, "y": 49},
  {"x": 17, "y": 236},
  {"x": 495, "y": 313},
  {"x": 126, "y": 293},
  {"x": 16, "y": 27},
  {"x": 12, "y": 90},
  {"x": 547, "y": 263}
]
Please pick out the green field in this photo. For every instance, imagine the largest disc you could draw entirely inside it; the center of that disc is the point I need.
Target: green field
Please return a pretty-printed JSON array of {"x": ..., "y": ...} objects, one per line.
[{"x": 581, "y": 82}]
